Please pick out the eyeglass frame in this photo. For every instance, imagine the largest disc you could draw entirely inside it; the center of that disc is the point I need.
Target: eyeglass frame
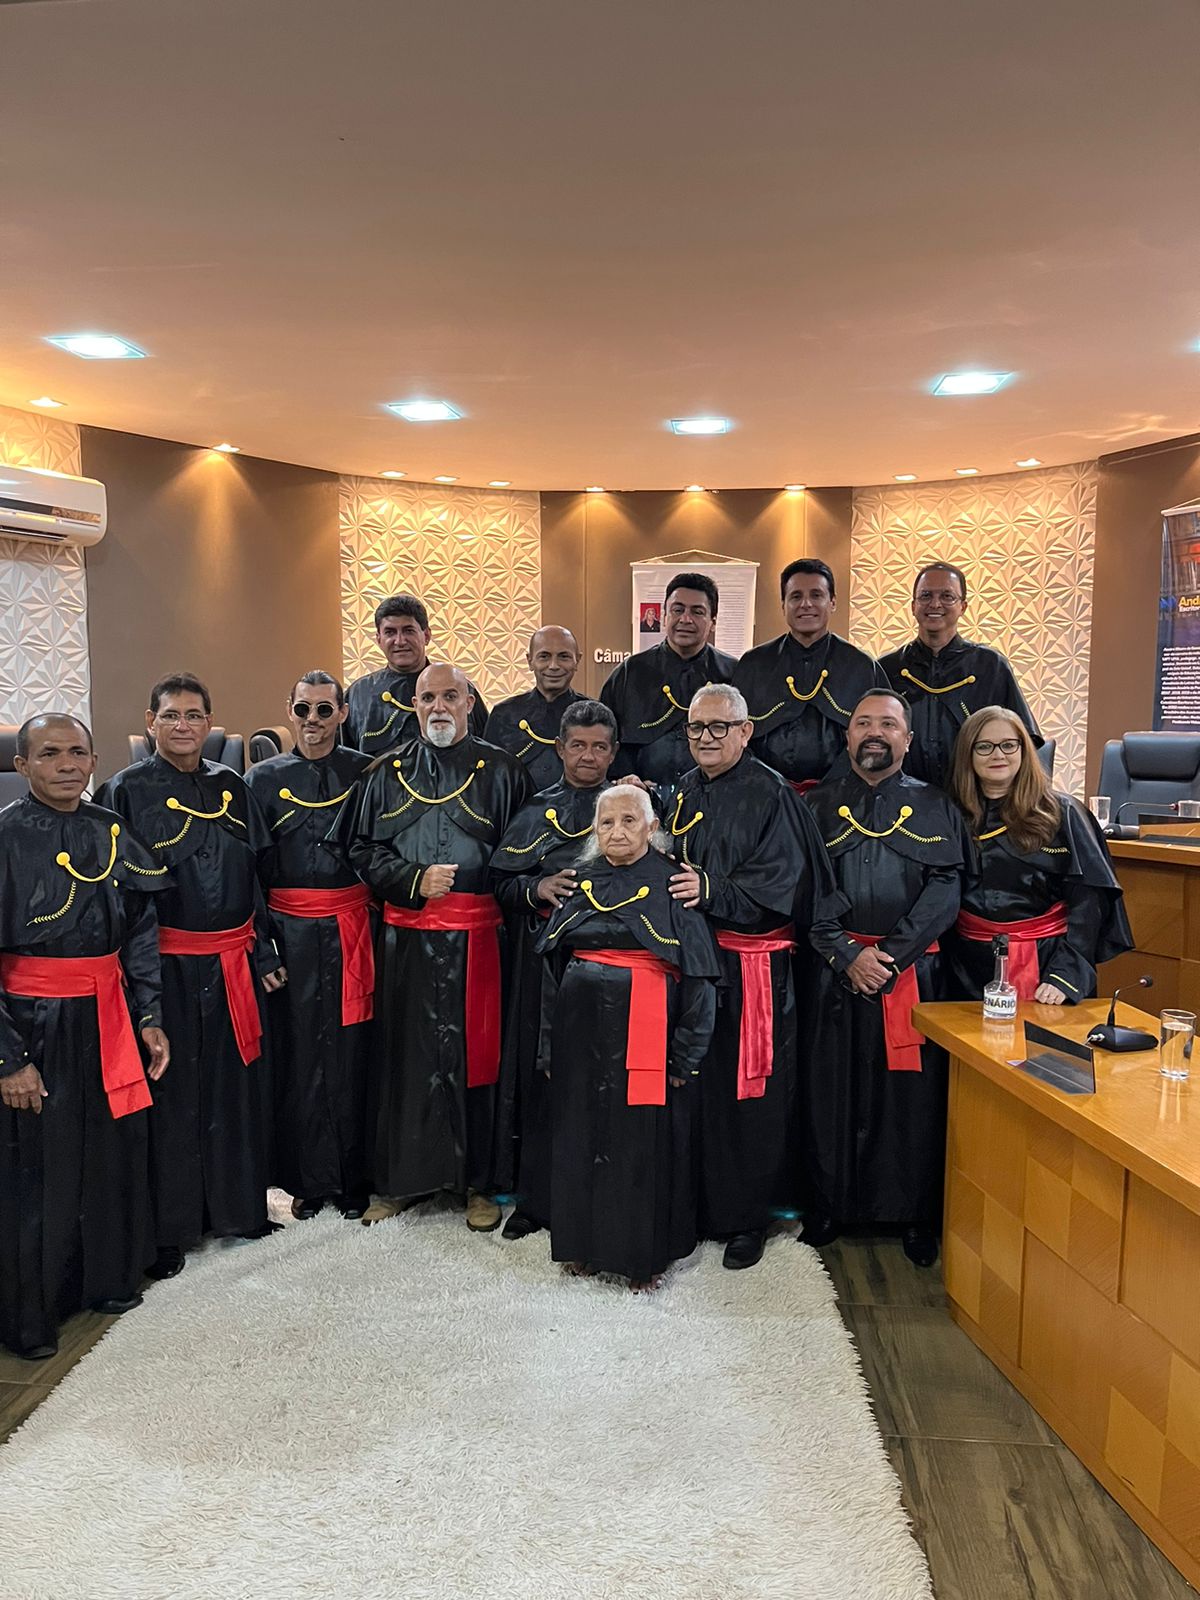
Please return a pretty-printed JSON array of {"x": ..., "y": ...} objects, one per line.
[
  {"x": 323, "y": 709},
  {"x": 695, "y": 731},
  {"x": 1006, "y": 747},
  {"x": 173, "y": 718}
]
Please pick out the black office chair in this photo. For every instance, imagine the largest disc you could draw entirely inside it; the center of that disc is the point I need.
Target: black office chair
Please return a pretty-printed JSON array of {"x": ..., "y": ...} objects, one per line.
[
  {"x": 12, "y": 784},
  {"x": 1046, "y": 756},
  {"x": 226, "y": 749},
  {"x": 268, "y": 742},
  {"x": 1149, "y": 772}
]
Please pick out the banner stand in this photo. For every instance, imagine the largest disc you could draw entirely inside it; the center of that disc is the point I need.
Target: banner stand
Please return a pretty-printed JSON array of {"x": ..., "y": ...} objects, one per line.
[{"x": 736, "y": 580}]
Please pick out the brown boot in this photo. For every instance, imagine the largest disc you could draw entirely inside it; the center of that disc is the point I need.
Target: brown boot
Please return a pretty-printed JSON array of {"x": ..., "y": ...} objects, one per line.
[
  {"x": 483, "y": 1215},
  {"x": 381, "y": 1208}
]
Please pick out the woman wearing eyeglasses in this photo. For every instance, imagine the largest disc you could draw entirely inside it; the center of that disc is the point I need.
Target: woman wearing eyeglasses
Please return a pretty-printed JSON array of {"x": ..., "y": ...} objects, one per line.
[{"x": 1040, "y": 871}]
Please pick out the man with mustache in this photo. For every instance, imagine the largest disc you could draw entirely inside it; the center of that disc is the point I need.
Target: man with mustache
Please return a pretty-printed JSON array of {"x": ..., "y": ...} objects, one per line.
[
  {"x": 873, "y": 1091},
  {"x": 527, "y": 725},
  {"x": 421, "y": 833},
  {"x": 381, "y": 714}
]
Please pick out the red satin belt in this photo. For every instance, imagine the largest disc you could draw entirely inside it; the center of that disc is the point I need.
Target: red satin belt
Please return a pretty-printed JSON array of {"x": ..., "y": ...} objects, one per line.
[
  {"x": 73, "y": 978},
  {"x": 478, "y": 916},
  {"x": 646, "y": 1036},
  {"x": 349, "y": 906},
  {"x": 902, "y": 1040},
  {"x": 756, "y": 1032},
  {"x": 803, "y": 785},
  {"x": 233, "y": 945},
  {"x": 1023, "y": 972}
]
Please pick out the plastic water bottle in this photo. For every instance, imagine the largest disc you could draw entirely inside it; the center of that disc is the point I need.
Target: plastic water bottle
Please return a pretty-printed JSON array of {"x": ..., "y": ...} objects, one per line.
[{"x": 999, "y": 996}]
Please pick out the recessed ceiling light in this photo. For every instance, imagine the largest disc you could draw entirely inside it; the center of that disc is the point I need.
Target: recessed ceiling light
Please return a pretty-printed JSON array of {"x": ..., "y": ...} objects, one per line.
[
  {"x": 967, "y": 472},
  {"x": 47, "y": 402},
  {"x": 499, "y": 483},
  {"x": 1029, "y": 461},
  {"x": 906, "y": 477},
  {"x": 594, "y": 488},
  {"x": 424, "y": 410},
  {"x": 228, "y": 449},
  {"x": 693, "y": 488},
  {"x": 392, "y": 473},
  {"x": 444, "y": 477},
  {"x": 96, "y": 346},
  {"x": 699, "y": 424},
  {"x": 794, "y": 488},
  {"x": 971, "y": 382}
]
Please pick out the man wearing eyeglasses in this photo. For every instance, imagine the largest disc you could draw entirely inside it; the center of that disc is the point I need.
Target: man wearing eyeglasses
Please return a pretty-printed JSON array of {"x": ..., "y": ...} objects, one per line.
[
  {"x": 945, "y": 677},
  {"x": 752, "y": 859},
  {"x": 209, "y": 1126},
  {"x": 320, "y": 914},
  {"x": 381, "y": 713}
]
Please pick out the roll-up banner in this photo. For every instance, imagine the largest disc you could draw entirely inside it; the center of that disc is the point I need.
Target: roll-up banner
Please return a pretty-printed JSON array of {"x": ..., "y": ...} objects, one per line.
[
  {"x": 735, "y": 581},
  {"x": 1177, "y": 690}
]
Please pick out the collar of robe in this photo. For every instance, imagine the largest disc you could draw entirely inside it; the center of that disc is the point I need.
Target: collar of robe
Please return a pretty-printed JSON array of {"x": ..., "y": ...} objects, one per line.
[
  {"x": 774, "y": 699},
  {"x": 405, "y": 788},
  {"x": 909, "y": 818},
  {"x": 62, "y": 892},
  {"x": 175, "y": 811},
  {"x": 637, "y": 897}
]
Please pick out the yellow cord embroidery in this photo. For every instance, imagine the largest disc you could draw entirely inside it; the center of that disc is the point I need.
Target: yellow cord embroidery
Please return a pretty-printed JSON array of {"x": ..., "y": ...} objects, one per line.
[
  {"x": 386, "y": 816},
  {"x": 313, "y": 805},
  {"x": 1070, "y": 986},
  {"x": 487, "y": 821},
  {"x": 586, "y": 886},
  {"x": 565, "y": 921},
  {"x": 525, "y": 849},
  {"x": 438, "y": 800},
  {"x": 51, "y": 916},
  {"x": 767, "y": 714},
  {"x": 928, "y": 687},
  {"x": 896, "y": 827},
  {"x": 378, "y": 733},
  {"x": 525, "y": 728},
  {"x": 552, "y": 819},
  {"x": 146, "y": 872},
  {"x": 279, "y": 821},
  {"x": 205, "y": 816},
  {"x": 63, "y": 858},
  {"x": 524, "y": 751},
  {"x": 662, "y": 939},
  {"x": 1055, "y": 850},
  {"x": 688, "y": 826},
  {"x": 165, "y": 844},
  {"x": 980, "y": 838},
  {"x": 813, "y": 692},
  {"x": 673, "y": 705},
  {"x": 389, "y": 699},
  {"x": 834, "y": 703}
]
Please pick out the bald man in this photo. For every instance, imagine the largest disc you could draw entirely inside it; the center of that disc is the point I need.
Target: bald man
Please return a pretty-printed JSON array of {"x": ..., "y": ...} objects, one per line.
[
  {"x": 422, "y": 832},
  {"x": 527, "y": 725}
]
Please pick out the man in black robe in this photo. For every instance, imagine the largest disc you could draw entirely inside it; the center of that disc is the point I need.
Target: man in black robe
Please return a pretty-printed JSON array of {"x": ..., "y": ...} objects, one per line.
[
  {"x": 873, "y": 1092},
  {"x": 527, "y": 724},
  {"x": 381, "y": 714},
  {"x": 801, "y": 687},
  {"x": 320, "y": 916},
  {"x": 79, "y": 943},
  {"x": 944, "y": 677},
  {"x": 753, "y": 861},
  {"x": 209, "y": 1131},
  {"x": 650, "y": 692},
  {"x": 534, "y": 870},
  {"x": 422, "y": 832}
]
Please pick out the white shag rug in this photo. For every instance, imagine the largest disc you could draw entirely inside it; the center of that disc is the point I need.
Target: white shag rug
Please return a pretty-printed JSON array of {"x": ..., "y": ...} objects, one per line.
[{"x": 416, "y": 1412}]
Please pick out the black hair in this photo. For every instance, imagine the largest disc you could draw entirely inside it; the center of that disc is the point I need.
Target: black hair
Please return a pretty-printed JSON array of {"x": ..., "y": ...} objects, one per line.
[
  {"x": 588, "y": 714},
  {"x": 887, "y": 694},
  {"x": 701, "y": 582},
  {"x": 315, "y": 677},
  {"x": 942, "y": 566},
  {"x": 40, "y": 720},
  {"x": 180, "y": 683},
  {"x": 809, "y": 564},
  {"x": 402, "y": 605}
]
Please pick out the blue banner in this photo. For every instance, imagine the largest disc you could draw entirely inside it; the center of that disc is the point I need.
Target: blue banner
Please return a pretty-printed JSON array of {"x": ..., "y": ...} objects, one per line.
[{"x": 1177, "y": 690}]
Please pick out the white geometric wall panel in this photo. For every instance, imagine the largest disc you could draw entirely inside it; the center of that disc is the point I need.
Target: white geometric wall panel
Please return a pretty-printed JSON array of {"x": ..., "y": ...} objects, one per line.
[
  {"x": 473, "y": 555},
  {"x": 1025, "y": 541},
  {"x": 43, "y": 589}
]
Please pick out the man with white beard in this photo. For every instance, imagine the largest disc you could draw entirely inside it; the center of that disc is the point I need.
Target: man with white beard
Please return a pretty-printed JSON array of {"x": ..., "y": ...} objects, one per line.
[{"x": 427, "y": 820}]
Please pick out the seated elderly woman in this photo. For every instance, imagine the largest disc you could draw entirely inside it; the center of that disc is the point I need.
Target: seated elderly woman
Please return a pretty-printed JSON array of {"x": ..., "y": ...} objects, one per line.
[
  {"x": 628, "y": 1010},
  {"x": 1040, "y": 871}
]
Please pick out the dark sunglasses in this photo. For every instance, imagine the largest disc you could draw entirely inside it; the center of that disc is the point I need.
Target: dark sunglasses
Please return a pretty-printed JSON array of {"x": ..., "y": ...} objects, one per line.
[{"x": 323, "y": 708}]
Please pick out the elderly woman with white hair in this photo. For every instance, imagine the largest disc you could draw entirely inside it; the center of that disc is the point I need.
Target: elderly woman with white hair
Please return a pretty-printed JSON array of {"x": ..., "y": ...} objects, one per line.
[{"x": 628, "y": 1011}]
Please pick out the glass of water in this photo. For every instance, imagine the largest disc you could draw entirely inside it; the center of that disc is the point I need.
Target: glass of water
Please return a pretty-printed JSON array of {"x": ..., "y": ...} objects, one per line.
[
  {"x": 1098, "y": 805},
  {"x": 1177, "y": 1029}
]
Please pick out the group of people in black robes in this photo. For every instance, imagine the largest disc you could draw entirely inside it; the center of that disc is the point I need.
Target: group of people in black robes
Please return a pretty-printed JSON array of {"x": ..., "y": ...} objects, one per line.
[{"x": 645, "y": 964}]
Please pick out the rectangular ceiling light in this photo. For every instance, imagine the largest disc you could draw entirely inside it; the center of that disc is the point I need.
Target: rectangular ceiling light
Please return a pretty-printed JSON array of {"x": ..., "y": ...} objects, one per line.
[
  {"x": 424, "y": 410},
  {"x": 971, "y": 382},
  {"x": 694, "y": 425},
  {"x": 96, "y": 346}
]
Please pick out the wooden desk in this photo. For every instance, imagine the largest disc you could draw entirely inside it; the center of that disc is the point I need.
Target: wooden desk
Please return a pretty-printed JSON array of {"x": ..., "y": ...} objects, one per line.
[
  {"x": 1072, "y": 1254},
  {"x": 1162, "y": 896}
]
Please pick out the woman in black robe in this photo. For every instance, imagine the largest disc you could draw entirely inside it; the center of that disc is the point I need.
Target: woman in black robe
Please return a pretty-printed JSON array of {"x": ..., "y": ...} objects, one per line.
[
  {"x": 1039, "y": 872},
  {"x": 628, "y": 1011}
]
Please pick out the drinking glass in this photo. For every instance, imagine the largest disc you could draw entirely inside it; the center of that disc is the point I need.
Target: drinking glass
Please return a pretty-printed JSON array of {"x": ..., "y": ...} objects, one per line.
[
  {"x": 1177, "y": 1029},
  {"x": 1189, "y": 810},
  {"x": 1098, "y": 805}
]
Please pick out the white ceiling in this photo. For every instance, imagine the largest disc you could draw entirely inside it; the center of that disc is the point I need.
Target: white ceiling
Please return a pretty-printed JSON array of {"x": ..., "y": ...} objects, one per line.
[{"x": 578, "y": 218}]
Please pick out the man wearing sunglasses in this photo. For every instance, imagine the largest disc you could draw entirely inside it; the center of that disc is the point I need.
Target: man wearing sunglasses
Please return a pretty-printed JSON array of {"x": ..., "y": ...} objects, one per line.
[
  {"x": 381, "y": 713},
  {"x": 320, "y": 914}
]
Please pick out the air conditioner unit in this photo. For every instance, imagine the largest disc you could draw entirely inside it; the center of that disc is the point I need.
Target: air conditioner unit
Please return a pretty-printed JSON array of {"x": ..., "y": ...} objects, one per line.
[{"x": 51, "y": 507}]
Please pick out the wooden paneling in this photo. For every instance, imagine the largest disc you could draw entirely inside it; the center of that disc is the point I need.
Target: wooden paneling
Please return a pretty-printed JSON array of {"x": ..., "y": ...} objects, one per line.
[
  {"x": 1160, "y": 1280},
  {"x": 1162, "y": 898}
]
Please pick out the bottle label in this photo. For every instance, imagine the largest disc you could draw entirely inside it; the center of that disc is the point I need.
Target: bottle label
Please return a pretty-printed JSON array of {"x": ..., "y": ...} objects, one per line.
[{"x": 1000, "y": 1006}]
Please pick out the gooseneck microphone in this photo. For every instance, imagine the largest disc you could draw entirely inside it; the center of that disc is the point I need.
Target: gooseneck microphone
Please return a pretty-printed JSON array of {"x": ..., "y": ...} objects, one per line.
[
  {"x": 1117, "y": 830},
  {"x": 1112, "y": 1037}
]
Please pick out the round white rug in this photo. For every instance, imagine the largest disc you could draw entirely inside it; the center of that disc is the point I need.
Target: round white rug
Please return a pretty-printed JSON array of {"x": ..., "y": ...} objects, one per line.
[{"x": 416, "y": 1412}]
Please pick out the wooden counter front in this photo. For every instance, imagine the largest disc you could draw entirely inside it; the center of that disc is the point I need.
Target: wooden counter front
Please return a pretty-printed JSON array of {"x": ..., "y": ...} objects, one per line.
[
  {"x": 1071, "y": 1252},
  {"x": 1162, "y": 896}
]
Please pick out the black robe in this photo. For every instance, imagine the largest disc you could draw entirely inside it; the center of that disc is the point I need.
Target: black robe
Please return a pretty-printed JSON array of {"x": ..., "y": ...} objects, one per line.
[
  {"x": 426, "y": 1130},
  {"x": 382, "y": 715},
  {"x": 546, "y": 835},
  {"x": 622, "y": 1177},
  {"x": 874, "y": 1139},
  {"x": 762, "y": 866},
  {"x": 1007, "y": 885},
  {"x": 800, "y": 699},
  {"x": 527, "y": 726},
  {"x": 74, "y": 1186},
  {"x": 319, "y": 1064},
  {"x": 210, "y": 1128},
  {"x": 943, "y": 690},
  {"x": 649, "y": 695}
]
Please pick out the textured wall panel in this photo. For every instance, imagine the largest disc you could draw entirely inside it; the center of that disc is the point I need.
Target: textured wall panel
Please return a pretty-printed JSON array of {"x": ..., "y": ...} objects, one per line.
[
  {"x": 473, "y": 555},
  {"x": 1025, "y": 541},
  {"x": 43, "y": 589}
]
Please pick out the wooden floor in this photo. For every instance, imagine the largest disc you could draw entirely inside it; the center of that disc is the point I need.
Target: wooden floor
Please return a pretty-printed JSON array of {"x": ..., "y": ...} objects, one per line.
[{"x": 1002, "y": 1509}]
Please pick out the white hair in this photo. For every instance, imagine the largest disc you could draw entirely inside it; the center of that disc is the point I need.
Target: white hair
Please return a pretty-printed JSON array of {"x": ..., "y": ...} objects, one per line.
[
  {"x": 735, "y": 700},
  {"x": 626, "y": 791}
]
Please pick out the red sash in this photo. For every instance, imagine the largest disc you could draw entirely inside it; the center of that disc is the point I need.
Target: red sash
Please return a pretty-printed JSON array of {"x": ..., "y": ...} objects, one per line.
[
  {"x": 646, "y": 1038},
  {"x": 901, "y": 1038},
  {"x": 1023, "y": 936},
  {"x": 803, "y": 785},
  {"x": 233, "y": 945},
  {"x": 478, "y": 916},
  {"x": 756, "y": 1031},
  {"x": 73, "y": 978},
  {"x": 349, "y": 906}
]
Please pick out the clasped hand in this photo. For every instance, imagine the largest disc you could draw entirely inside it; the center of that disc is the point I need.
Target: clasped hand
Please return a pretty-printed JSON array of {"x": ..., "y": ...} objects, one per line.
[{"x": 871, "y": 970}]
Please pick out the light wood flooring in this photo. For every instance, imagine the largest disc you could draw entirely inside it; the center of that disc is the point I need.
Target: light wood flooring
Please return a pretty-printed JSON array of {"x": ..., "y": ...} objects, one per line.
[{"x": 1002, "y": 1508}]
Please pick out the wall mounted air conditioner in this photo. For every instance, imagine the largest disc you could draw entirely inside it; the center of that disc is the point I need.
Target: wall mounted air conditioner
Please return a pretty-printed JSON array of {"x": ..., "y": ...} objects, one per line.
[{"x": 51, "y": 507}]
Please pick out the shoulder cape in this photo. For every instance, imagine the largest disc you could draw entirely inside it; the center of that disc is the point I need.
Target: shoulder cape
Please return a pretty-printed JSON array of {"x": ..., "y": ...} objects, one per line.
[
  {"x": 553, "y": 825},
  {"x": 773, "y": 698},
  {"x": 162, "y": 804},
  {"x": 644, "y": 692},
  {"x": 921, "y": 822},
  {"x": 638, "y": 897}
]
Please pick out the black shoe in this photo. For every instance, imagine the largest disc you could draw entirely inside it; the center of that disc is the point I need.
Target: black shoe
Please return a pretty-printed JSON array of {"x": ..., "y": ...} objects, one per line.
[
  {"x": 38, "y": 1352},
  {"x": 352, "y": 1206},
  {"x": 744, "y": 1250},
  {"x": 265, "y": 1232},
  {"x": 303, "y": 1209},
  {"x": 167, "y": 1263},
  {"x": 520, "y": 1225},
  {"x": 818, "y": 1231},
  {"x": 920, "y": 1246},
  {"x": 117, "y": 1308}
]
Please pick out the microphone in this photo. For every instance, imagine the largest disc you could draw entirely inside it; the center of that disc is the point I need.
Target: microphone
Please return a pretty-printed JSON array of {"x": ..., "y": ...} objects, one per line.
[
  {"x": 1114, "y": 829},
  {"x": 1112, "y": 1037}
]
